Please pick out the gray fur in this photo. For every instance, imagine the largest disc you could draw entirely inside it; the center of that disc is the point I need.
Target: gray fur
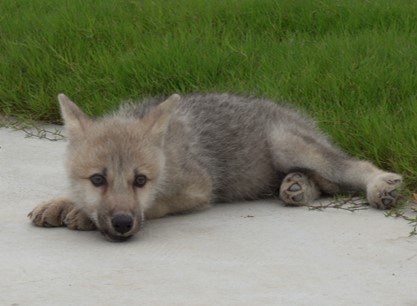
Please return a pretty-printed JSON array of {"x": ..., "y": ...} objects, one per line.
[{"x": 230, "y": 137}]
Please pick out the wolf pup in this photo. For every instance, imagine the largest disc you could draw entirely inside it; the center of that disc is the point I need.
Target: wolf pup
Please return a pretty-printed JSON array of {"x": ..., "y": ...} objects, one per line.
[{"x": 174, "y": 155}]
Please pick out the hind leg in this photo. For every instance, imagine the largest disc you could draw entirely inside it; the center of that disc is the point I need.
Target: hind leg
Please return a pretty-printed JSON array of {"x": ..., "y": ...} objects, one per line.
[
  {"x": 382, "y": 188},
  {"x": 308, "y": 149}
]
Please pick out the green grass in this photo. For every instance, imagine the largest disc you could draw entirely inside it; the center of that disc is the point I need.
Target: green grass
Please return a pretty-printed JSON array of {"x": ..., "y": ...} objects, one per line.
[{"x": 350, "y": 64}]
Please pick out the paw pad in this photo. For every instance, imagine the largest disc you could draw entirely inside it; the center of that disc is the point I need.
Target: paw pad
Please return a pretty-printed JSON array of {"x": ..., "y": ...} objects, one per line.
[
  {"x": 383, "y": 191},
  {"x": 387, "y": 202},
  {"x": 297, "y": 189},
  {"x": 298, "y": 198}
]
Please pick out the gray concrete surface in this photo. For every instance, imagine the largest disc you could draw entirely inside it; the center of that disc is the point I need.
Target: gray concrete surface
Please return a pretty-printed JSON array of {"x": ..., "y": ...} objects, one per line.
[{"x": 257, "y": 253}]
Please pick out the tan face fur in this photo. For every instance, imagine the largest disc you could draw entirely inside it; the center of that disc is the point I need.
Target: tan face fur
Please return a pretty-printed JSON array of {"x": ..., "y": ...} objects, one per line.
[{"x": 115, "y": 166}]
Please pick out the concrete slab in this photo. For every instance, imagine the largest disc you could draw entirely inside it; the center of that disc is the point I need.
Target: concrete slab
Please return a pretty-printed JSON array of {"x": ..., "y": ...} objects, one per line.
[{"x": 257, "y": 253}]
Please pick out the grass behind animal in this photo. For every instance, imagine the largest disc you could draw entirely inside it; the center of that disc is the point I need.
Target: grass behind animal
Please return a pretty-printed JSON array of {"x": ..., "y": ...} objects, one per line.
[{"x": 350, "y": 64}]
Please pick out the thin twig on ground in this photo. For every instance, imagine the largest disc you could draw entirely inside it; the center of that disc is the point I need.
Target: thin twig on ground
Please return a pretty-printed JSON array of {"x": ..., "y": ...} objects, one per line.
[
  {"x": 32, "y": 129},
  {"x": 351, "y": 204}
]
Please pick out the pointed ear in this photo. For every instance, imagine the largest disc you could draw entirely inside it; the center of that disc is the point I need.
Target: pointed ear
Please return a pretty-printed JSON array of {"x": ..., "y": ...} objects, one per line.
[
  {"x": 158, "y": 119},
  {"x": 76, "y": 121}
]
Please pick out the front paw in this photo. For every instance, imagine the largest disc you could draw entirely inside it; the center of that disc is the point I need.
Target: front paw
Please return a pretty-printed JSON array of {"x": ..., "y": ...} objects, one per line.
[
  {"x": 51, "y": 213},
  {"x": 77, "y": 219},
  {"x": 384, "y": 190},
  {"x": 60, "y": 212}
]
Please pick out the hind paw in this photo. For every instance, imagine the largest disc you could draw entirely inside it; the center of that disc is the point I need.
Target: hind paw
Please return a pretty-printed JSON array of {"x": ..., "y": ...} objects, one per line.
[
  {"x": 384, "y": 190},
  {"x": 298, "y": 189}
]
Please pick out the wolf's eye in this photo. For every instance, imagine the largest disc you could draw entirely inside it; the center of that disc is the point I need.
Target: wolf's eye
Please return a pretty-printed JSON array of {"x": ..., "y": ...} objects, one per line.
[
  {"x": 98, "y": 180},
  {"x": 140, "y": 180}
]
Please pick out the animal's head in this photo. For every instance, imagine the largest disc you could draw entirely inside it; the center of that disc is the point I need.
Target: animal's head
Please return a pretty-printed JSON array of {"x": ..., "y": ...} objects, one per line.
[{"x": 115, "y": 165}]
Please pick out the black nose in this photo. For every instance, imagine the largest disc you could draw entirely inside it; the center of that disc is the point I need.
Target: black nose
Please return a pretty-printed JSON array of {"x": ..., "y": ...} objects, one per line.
[{"x": 122, "y": 223}]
